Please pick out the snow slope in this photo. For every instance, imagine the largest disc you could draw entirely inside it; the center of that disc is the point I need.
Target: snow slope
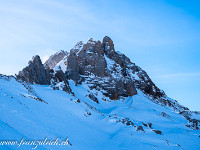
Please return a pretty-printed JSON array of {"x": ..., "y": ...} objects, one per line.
[{"x": 36, "y": 112}]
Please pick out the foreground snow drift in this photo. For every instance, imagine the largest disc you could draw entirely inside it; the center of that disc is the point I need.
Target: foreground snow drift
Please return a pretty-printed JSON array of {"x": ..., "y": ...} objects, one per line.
[{"x": 36, "y": 112}]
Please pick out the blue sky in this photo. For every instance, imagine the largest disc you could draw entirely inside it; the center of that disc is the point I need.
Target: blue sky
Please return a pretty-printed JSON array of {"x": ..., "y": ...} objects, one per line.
[{"x": 161, "y": 36}]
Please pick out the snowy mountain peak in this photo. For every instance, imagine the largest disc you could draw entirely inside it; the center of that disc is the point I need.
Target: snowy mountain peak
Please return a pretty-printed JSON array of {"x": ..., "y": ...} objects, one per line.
[
  {"x": 98, "y": 61},
  {"x": 94, "y": 85}
]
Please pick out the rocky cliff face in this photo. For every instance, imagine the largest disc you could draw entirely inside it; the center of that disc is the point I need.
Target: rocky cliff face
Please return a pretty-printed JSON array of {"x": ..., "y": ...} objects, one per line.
[
  {"x": 91, "y": 65},
  {"x": 97, "y": 62},
  {"x": 38, "y": 73},
  {"x": 35, "y": 72}
]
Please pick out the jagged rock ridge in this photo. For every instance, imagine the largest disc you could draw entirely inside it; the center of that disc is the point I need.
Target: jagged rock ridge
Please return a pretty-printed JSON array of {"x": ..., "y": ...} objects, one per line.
[
  {"x": 35, "y": 72},
  {"x": 38, "y": 73},
  {"x": 95, "y": 62}
]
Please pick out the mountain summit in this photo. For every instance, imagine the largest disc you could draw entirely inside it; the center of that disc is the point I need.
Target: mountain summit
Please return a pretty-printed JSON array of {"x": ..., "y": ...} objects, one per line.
[
  {"x": 98, "y": 98},
  {"x": 100, "y": 66}
]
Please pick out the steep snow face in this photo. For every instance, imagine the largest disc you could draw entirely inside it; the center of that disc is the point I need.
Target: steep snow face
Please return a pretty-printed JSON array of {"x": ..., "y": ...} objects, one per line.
[{"x": 36, "y": 112}]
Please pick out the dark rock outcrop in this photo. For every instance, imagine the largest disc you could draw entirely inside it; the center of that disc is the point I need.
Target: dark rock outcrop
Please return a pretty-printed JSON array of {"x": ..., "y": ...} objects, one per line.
[
  {"x": 150, "y": 124},
  {"x": 126, "y": 121},
  {"x": 35, "y": 72},
  {"x": 59, "y": 81},
  {"x": 157, "y": 131},
  {"x": 192, "y": 122},
  {"x": 140, "y": 128},
  {"x": 92, "y": 97}
]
